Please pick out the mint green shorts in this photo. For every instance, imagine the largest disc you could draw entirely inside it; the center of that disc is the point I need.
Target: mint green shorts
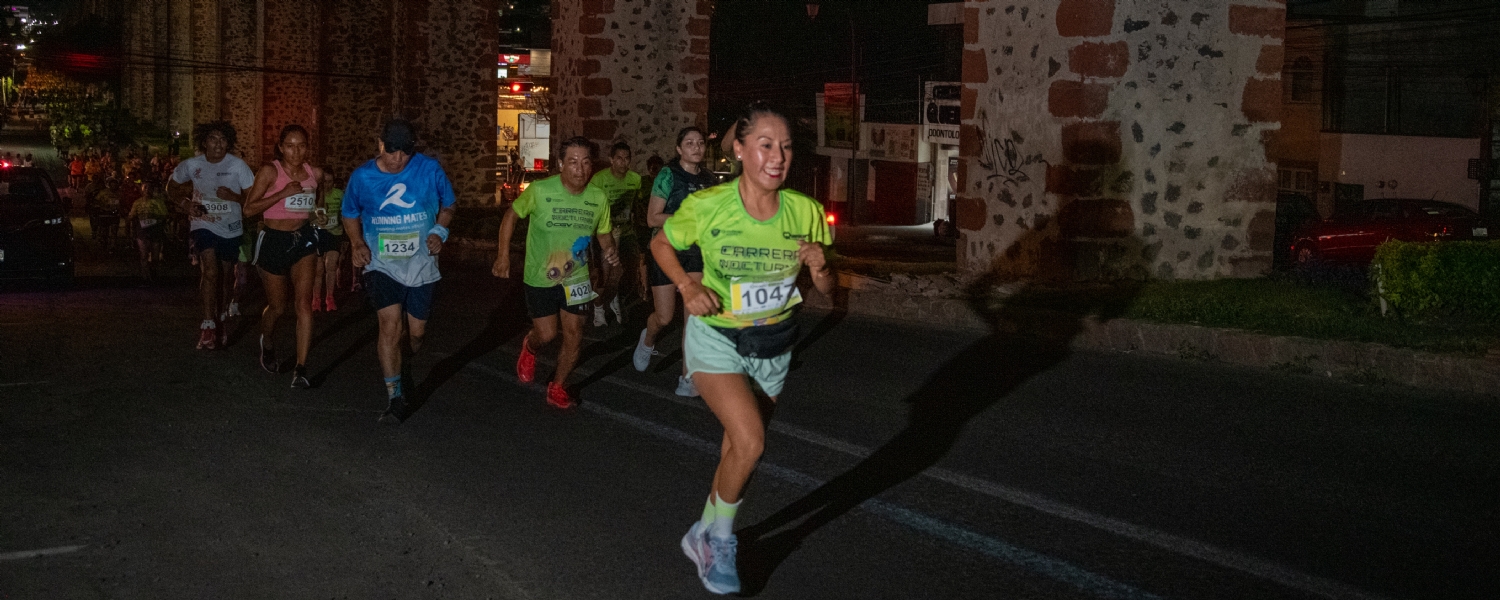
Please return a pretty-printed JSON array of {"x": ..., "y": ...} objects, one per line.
[{"x": 708, "y": 351}]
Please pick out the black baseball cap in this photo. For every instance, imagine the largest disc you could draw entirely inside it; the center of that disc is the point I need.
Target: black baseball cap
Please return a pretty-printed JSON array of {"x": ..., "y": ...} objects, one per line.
[{"x": 399, "y": 135}]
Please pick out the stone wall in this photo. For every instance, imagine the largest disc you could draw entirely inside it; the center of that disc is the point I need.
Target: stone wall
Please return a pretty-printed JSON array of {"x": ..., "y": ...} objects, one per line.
[
  {"x": 339, "y": 68},
  {"x": 1119, "y": 138},
  {"x": 630, "y": 70}
]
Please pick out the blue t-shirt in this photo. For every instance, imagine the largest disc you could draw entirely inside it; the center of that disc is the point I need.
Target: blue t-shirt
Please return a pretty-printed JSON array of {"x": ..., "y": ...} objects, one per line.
[{"x": 396, "y": 211}]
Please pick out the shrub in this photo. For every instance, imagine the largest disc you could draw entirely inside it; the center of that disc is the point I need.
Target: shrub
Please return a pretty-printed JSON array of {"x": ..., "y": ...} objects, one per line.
[{"x": 1440, "y": 278}]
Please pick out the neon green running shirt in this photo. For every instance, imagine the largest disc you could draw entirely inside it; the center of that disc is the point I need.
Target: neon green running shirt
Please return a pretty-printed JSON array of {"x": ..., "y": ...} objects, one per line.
[
  {"x": 557, "y": 238},
  {"x": 621, "y": 192},
  {"x": 751, "y": 265},
  {"x": 333, "y": 202}
]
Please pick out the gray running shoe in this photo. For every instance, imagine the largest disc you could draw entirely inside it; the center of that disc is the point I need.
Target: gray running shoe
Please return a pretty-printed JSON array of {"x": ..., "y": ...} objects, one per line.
[
  {"x": 685, "y": 387},
  {"x": 722, "y": 576},
  {"x": 643, "y": 354},
  {"x": 695, "y": 546}
]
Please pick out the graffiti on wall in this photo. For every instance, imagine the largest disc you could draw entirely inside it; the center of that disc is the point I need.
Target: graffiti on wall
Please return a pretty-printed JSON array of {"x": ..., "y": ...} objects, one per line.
[{"x": 1004, "y": 158}]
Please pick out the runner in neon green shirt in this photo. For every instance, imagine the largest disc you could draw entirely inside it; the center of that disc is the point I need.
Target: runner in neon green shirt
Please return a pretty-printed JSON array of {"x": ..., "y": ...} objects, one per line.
[
  {"x": 749, "y": 264},
  {"x": 622, "y": 186},
  {"x": 755, "y": 239},
  {"x": 566, "y": 214}
]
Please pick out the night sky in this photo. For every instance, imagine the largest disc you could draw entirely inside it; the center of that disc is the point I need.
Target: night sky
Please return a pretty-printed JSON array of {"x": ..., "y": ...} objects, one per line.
[{"x": 770, "y": 50}]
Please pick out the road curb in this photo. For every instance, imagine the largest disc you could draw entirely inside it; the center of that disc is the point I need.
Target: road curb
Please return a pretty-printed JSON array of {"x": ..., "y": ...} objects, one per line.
[{"x": 1356, "y": 362}]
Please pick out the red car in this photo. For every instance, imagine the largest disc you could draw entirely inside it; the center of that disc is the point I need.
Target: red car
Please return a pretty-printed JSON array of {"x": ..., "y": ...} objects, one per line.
[{"x": 1352, "y": 237}]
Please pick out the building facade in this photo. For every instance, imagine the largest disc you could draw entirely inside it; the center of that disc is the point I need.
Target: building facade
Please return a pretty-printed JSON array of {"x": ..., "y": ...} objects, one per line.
[{"x": 339, "y": 68}]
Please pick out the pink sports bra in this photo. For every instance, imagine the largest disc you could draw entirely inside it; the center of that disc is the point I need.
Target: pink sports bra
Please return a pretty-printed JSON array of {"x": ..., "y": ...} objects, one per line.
[{"x": 296, "y": 206}]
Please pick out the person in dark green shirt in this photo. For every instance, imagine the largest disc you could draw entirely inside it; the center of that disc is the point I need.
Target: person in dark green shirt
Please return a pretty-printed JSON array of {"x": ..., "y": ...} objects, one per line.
[{"x": 673, "y": 184}]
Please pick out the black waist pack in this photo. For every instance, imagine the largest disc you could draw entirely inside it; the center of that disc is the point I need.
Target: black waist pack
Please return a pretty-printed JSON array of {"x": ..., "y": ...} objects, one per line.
[{"x": 762, "y": 341}]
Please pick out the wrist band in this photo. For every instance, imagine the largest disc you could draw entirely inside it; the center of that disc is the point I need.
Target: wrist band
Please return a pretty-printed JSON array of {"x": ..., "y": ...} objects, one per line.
[{"x": 440, "y": 231}]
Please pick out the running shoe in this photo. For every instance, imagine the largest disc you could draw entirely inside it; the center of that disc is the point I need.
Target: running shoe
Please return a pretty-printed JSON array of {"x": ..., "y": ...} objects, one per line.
[
  {"x": 599, "y": 317},
  {"x": 614, "y": 306},
  {"x": 316, "y": 305},
  {"x": 299, "y": 378},
  {"x": 526, "y": 364},
  {"x": 223, "y": 335},
  {"x": 643, "y": 354},
  {"x": 558, "y": 396},
  {"x": 722, "y": 577},
  {"x": 234, "y": 309},
  {"x": 207, "y": 337},
  {"x": 685, "y": 387},
  {"x": 695, "y": 546},
  {"x": 268, "y": 357},
  {"x": 329, "y": 304},
  {"x": 395, "y": 411}
]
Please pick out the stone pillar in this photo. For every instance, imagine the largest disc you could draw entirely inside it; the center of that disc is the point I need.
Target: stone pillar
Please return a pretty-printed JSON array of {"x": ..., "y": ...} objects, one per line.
[
  {"x": 445, "y": 84},
  {"x": 630, "y": 70},
  {"x": 1111, "y": 139},
  {"x": 356, "y": 58},
  {"x": 241, "y": 93},
  {"x": 179, "y": 56},
  {"x": 289, "y": 93},
  {"x": 206, "y": 59}
]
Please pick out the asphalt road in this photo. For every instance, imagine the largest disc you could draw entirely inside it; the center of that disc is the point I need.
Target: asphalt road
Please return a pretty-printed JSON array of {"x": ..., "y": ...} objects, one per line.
[{"x": 902, "y": 463}]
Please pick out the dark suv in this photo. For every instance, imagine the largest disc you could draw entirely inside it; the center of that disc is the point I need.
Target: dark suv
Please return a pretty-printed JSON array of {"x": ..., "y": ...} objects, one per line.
[{"x": 36, "y": 237}]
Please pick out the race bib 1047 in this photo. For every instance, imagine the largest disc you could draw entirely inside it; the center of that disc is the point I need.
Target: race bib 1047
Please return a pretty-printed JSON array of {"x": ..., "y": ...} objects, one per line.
[
  {"x": 302, "y": 202},
  {"x": 395, "y": 246},
  {"x": 753, "y": 297},
  {"x": 579, "y": 293}
]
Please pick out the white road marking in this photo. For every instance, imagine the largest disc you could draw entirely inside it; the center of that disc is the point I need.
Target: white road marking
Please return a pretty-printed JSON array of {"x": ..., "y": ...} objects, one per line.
[
  {"x": 25, "y": 554},
  {"x": 1048, "y": 566},
  {"x": 24, "y": 383},
  {"x": 1230, "y": 559}
]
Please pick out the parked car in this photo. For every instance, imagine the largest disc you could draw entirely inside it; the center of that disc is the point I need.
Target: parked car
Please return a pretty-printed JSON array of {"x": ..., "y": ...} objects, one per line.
[
  {"x": 1293, "y": 212},
  {"x": 36, "y": 236},
  {"x": 1352, "y": 237},
  {"x": 530, "y": 176}
]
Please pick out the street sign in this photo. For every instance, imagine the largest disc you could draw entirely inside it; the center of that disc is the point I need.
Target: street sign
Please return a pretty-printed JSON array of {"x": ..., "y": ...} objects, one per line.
[
  {"x": 941, "y": 112},
  {"x": 841, "y": 115}
]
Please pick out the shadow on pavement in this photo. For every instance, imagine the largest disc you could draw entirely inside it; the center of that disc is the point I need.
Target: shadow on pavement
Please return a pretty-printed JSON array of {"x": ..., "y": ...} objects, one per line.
[
  {"x": 507, "y": 320},
  {"x": 1030, "y": 333}
]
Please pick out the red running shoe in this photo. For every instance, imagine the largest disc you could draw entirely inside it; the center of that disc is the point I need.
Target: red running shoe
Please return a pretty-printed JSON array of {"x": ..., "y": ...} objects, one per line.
[
  {"x": 526, "y": 364},
  {"x": 207, "y": 337},
  {"x": 558, "y": 396},
  {"x": 329, "y": 304}
]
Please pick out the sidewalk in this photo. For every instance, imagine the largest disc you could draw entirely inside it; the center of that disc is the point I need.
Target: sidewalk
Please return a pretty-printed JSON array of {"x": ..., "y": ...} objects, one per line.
[{"x": 941, "y": 301}]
